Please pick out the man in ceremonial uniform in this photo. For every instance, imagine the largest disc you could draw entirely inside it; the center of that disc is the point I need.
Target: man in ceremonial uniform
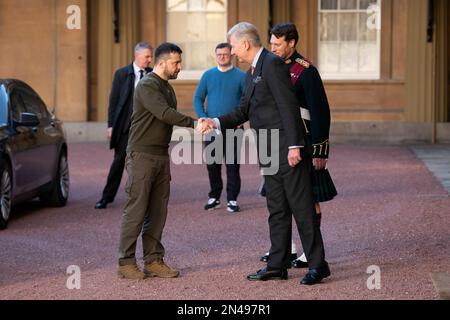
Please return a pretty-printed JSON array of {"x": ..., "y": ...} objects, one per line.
[{"x": 315, "y": 113}]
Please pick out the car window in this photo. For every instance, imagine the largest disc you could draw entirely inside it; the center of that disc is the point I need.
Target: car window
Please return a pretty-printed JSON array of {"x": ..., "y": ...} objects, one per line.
[
  {"x": 17, "y": 105},
  {"x": 33, "y": 103},
  {"x": 3, "y": 106}
]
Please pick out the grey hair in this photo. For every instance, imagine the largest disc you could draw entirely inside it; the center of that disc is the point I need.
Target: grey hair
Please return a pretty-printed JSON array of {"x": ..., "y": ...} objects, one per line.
[
  {"x": 143, "y": 45},
  {"x": 246, "y": 30}
]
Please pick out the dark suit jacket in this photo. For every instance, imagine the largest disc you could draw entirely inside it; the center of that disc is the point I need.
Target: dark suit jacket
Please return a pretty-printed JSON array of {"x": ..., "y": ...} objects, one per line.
[
  {"x": 269, "y": 102},
  {"x": 121, "y": 102}
]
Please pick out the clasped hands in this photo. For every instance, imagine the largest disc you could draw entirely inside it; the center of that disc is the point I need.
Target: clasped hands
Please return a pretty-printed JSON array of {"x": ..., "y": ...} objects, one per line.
[{"x": 205, "y": 125}]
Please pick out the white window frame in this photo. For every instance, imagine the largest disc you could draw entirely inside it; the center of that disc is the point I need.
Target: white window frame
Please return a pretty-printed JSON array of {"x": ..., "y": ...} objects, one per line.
[
  {"x": 350, "y": 75},
  {"x": 187, "y": 74}
]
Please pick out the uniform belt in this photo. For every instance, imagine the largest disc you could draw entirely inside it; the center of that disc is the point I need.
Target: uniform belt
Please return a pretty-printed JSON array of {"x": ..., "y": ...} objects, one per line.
[{"x": 305, "y": 114}]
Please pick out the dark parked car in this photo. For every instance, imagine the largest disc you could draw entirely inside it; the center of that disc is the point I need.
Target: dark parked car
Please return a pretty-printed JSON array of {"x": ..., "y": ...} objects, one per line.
[{"x": 33, "y": 150}]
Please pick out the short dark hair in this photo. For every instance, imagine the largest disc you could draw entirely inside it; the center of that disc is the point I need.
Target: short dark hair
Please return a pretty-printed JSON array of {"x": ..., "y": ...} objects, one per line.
[
  {"x": 288, "y": 30},
  {"x": 166, "y": 49},
  {"x": 223, "y": 46}
]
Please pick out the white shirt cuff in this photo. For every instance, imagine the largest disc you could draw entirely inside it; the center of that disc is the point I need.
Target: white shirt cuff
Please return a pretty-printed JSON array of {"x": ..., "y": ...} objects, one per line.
[{"x": 216, "y": 120}]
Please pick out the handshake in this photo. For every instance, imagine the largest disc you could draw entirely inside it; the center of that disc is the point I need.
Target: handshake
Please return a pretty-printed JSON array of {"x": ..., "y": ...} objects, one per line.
[{"x": 205, "y": 125}]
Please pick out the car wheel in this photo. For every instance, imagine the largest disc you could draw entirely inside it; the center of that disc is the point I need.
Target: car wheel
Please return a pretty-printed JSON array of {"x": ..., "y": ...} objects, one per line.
[
  {"x": 59, "y": 192},
  {"x": 5, "y": 193}
]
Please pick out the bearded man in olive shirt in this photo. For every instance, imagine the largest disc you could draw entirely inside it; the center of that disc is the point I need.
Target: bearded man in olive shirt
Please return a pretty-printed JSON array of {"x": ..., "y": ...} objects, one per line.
[{"x": 148, "y": 167}]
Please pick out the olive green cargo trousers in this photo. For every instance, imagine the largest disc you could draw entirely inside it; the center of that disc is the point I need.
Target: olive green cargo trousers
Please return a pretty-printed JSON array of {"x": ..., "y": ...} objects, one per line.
[{"x": 148, "y": 191}]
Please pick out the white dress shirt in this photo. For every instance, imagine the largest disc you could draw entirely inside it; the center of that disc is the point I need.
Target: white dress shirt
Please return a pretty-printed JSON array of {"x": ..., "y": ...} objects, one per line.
[
  {"x": 137, "y": 74},
  {"x": 255, "y": 60}
]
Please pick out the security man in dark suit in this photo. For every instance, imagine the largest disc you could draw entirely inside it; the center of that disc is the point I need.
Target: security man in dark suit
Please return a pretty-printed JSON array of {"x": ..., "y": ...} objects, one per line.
[
  {"x": 119, "y": 116},
  {"x": 269, "y": 102}
]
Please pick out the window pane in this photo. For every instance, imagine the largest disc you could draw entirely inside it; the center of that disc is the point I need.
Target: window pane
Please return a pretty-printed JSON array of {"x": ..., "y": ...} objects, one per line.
[
  {"x": 366, "y": 34},
  {"x": 3, "y": 106},
  {"x": 364, "y": 4},
  {"x": 349, "y": 44},
  {"x": 216, "y": 5},
  {"x": 17, "y": 105},
  {"x": 328, "y": 27},
  {"x": 348, "y": 26},
  {"x": 33, "y": 103},
  {"x": 216, "y": 27},
  {"x": 176, "y": 5},
  {"x": 196, "y": 5},
  {"x": 349, "y": 4},
  {"x": 211, "y": 56},
  {"x": 197, "y": 29},
  {"x": 174, "y": 32},
  {"x": 369, "y": 57},
  {"x": 329, "y": 57},
  {"x": 349, "y": 57},
  {"x": 196, "y": 56},
  {"x": 328, "y": 4}
]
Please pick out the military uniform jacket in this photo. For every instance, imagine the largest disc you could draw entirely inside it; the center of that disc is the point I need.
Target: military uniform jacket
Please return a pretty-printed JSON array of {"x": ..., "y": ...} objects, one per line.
[{"x": 312, "y": 97}]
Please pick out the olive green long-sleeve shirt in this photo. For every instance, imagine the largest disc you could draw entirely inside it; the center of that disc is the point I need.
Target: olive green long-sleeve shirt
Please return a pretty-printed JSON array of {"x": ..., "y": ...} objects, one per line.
[{"x": 154, "y": 115}]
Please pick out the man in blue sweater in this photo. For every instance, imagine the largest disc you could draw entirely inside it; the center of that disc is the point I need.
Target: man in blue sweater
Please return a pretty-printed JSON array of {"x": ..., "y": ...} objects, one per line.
[{"x": 223, "y": 86}]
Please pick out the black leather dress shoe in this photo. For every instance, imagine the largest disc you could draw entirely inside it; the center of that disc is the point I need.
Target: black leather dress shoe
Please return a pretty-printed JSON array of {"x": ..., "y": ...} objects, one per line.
[
  {"x": 316, "y": 275},
  {"x": 297, "y": 263},
  {"x": 101, "y": 204},
  {"x": 264, "y": 275}
]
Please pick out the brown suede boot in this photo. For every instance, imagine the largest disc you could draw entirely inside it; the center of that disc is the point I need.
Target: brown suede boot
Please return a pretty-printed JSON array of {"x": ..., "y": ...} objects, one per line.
[
  {"x": 130, "y": 271},
  {"x": 159, "y": 269}
]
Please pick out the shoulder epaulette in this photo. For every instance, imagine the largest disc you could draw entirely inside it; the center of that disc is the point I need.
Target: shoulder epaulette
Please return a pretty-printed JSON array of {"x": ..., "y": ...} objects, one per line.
[{"x": 303, "y": 62}]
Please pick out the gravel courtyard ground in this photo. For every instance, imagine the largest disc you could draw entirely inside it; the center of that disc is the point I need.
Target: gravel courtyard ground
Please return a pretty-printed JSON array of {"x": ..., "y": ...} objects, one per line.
[{"x": 391, "y": 212}]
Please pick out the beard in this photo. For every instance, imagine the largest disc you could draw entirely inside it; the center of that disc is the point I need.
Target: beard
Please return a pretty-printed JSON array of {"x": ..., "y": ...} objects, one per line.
[{"x": 171, "y": 76}]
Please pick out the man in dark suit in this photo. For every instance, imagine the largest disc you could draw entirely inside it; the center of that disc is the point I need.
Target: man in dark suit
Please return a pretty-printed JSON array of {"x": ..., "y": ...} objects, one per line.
[
  {"x": 269, "y": 102},
  {"x": 119, "y": 116},
  {"x": 315, "y": 112}
]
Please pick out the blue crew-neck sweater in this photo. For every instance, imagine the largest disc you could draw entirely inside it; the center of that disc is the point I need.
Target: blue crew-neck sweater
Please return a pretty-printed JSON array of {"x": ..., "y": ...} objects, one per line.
[{"x": 223, "y": 90}]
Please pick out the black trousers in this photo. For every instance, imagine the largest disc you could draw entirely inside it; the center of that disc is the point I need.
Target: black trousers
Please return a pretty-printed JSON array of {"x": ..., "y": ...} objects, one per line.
[
  {"x": 289, "y": 192},
  {"x": 116, "y": 170},
  {"x": 215, "y": 171}
]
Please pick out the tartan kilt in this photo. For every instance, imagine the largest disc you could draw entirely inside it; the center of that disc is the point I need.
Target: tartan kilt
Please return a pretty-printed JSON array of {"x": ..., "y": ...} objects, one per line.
[{"x": 323, "y": 186}]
